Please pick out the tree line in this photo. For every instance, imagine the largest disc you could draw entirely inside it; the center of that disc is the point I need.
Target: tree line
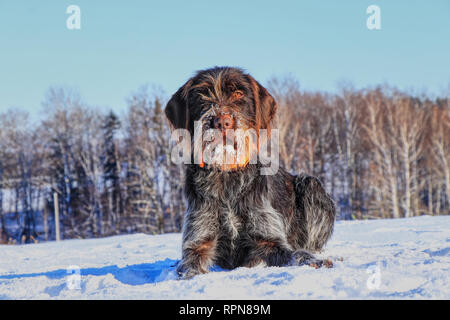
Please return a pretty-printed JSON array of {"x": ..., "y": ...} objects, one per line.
[{"x": 381, "y": 153}]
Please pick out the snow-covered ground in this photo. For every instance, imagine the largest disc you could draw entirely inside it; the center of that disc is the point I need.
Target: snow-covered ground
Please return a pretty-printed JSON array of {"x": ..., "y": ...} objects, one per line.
[{"x": 404, "y": 258}]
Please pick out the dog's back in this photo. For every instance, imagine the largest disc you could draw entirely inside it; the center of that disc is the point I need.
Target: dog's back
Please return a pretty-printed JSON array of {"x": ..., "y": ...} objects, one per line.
[{"x": 315, "y": 212}]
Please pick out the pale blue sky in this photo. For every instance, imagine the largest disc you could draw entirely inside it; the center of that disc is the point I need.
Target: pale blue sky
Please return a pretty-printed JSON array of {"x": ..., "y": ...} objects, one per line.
[{"x": 125, "y": 44}]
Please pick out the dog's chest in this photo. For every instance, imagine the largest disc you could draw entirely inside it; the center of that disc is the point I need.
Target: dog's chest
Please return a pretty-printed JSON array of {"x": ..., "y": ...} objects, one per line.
[
  {"x": 232, "y": 222},
  {"x": 232, "y": 232}
]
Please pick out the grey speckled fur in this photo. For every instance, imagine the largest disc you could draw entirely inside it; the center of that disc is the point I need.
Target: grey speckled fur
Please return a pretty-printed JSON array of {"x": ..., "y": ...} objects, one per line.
[{"x": 239, "y": 217}]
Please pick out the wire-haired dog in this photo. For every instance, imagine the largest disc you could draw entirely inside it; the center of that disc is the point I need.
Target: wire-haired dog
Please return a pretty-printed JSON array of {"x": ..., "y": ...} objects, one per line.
[{"x": 237, "y": 216}]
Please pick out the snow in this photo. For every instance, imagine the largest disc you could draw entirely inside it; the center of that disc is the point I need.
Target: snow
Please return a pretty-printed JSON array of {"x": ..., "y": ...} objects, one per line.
[{"x": 382, "y": 259}]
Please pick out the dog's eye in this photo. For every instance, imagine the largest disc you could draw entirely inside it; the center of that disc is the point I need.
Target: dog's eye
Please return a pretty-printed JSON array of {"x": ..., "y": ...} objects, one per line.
[{"x": 238, "y": 94}]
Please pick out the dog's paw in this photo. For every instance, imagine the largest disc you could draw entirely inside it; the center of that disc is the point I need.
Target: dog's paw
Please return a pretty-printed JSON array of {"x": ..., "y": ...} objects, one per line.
[
  {"x": 186, "y": 273},
  {"x": 317, "y": 263},
  {"x": 302, "y": 257}
]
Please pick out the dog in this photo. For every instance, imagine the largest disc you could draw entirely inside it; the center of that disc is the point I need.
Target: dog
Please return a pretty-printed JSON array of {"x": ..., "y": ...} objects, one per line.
[{"x": 237, "y": 217}]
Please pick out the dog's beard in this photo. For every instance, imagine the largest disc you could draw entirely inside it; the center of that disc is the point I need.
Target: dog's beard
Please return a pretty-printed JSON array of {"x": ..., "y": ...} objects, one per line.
[
  {"x": 224, "y": 152},
  {"x": 220, "y": 155}
]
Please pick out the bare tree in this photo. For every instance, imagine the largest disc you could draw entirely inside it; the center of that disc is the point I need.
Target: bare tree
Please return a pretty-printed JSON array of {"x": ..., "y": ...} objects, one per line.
[
  {"x": 383, "y": 165},
  {"x": 440, "y": 148}
]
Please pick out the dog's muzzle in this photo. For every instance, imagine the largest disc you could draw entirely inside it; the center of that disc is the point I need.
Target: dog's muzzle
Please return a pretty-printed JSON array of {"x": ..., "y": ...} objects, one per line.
[{"x": 224, "y": 121}]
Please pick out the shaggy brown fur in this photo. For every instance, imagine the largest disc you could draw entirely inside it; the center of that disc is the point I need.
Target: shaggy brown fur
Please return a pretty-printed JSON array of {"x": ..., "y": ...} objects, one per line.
[{"x": 236, "y": 216}]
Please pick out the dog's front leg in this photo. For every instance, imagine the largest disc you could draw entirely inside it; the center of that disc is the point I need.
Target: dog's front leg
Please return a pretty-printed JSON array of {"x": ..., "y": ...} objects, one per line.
[
  {"x": 303, "y": 257},
  {"x": 267, "y": 241},
  {"x": 199, "y": 243},
  {"x": 268, "y": 252},
  {"x": 277, "y": 253},
  {"x": 198, "y": 256}
]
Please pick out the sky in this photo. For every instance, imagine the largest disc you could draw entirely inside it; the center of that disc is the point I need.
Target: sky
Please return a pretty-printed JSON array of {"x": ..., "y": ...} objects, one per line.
[{"x": 123, "y": 45}]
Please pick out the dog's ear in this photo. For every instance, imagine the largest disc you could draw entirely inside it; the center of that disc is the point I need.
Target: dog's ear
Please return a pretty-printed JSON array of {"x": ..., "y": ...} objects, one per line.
[
  {"x": 265, "y": 105},
  {"x": 177, "y": 109}
]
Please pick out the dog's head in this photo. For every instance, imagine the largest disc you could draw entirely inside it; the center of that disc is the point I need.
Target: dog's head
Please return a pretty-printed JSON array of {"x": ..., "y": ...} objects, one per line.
[{"x": 224, "y": 99}]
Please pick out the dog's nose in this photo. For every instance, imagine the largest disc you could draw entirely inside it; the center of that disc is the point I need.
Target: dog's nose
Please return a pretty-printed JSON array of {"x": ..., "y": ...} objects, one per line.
[{"x": 223, "y": 122}]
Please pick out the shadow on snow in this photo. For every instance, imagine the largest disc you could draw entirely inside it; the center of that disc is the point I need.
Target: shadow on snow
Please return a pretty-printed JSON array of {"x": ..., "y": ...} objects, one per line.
[{"x": 137, "y": 274}]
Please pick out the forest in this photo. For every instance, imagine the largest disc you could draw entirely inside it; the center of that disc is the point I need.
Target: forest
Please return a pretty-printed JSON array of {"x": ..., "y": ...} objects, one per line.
[{"x": 381, "y": 153}]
